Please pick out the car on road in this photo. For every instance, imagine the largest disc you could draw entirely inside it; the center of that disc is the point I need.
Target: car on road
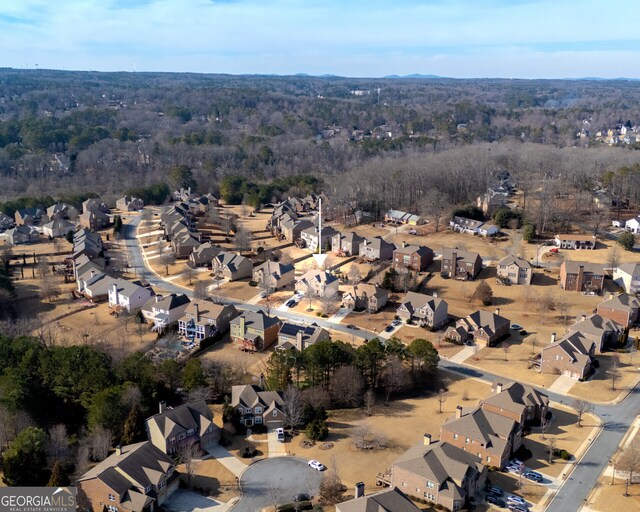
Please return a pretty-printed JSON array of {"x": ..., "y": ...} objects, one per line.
[
  {"x": 389, "y": 328},
  {"x": 316, "y": 465},
  {"x": 495, "y": 500},
  {"x": 533, "y": 475},
  {"x": 517, "y": 508},
  {"x": 496, "y": 491},
  {"x": 516, "y": 500},
  {"x": 290, "y": 303},
  {"x": 301, "y": 497},
  {"x": 263, "y": 294},
  {"x": 553, "y": 250},
  {"x": 351, "y": 326},
  {"x": 396, "y": 322},
  {"x": 516, "y": 327},
  {"x": 280, "y": 434}
]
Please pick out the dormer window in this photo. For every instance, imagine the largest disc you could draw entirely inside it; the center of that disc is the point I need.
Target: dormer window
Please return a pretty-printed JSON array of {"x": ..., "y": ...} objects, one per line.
[
  {"x": 258, "y": 410},
  {"x": 112, "y": 497},
  {"x": 247, "y": 410}
]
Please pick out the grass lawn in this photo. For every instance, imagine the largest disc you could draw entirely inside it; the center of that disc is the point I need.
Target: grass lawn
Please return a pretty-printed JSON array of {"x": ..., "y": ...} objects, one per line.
[
  {"x": 214, "y": 478},
  {"x": 599, "y": 386},
  {"x": 611, "y": 497},
  {"x": 224, "y": 352}
]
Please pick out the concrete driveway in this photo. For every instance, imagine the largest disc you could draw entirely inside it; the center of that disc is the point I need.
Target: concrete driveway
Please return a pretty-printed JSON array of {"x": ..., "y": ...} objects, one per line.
[
  {"x": 276, "y": 481},
  {"x": 183, "y": 500}
]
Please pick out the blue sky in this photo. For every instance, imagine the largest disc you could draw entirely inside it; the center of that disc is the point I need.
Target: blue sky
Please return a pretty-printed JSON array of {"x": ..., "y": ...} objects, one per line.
[{"x": 458, "y": 38}]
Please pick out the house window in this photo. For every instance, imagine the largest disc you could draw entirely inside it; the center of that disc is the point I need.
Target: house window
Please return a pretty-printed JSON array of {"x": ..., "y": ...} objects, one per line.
[
  {"x": 112, "y": 508},
  {"x": 404, "y": 484},
  {"x": 455, "y": 436},
  {"x": 466, "y": 441},
  {"x": 161, "y": 484},
  {"x": 258, "y": 410},
  {"x": 488, "y": 459},
  {"x": 210, "y": 429},
  {"x": 172, "y": 439},
  {"x": 247, "y": 410},
  {"x": 191, "y": 431},
  {"x": 258, "y": 420},
  {"x": 240, "y": 410},
  {"x": 417, "y": 489},
  {"x": 181, "y": 436},
  {"x": 112, "y": 497},
  {"x": 430, "y": 485},
  {"x": 274, "y": 413},
  {"x": 429, "y": 496}
]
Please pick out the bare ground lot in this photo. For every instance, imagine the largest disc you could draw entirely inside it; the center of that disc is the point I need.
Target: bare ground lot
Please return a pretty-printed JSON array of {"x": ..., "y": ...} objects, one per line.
[
  {"x": 213, "y": 478},
  {"x": 251, "y": 363}
]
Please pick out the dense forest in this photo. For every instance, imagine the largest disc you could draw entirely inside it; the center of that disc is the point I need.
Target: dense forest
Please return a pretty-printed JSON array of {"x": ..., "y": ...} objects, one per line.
[{"x": 390, "y": 141}]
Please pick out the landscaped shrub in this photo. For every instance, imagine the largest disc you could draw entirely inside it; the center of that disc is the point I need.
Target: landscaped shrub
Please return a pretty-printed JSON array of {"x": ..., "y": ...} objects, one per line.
[{"x": 253, "y": 283}]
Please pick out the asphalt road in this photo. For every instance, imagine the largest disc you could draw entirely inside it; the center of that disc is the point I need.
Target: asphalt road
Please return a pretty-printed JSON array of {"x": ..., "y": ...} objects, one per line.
[
  {"x": 276, "y": 481},
  {"x": 573, "y": 493}
]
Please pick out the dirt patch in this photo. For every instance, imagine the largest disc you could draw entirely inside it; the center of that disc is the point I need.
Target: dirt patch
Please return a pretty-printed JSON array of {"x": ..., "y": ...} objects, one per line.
[{"x": 213, "y": 479}]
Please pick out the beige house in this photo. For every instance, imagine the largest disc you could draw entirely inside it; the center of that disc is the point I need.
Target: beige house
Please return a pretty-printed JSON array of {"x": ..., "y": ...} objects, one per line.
[
  {"x": 176, "y": 427},
  {"x": 573, "y": 355},
  {"x": 129, "y": 204},
  {"x": 318, "y": 282},
  {"x": 135, "y": 478},
  {"x": 439, "y": 472},
  {"x": 424, "y": 310},
  {"x": 483, "y": 327},
  {"x": 519, "y": 402},
  {"x": 273, "y": 275},
  {"x": 257, "y": 407},
  {"x": 364, "y": 296},
  {"x": 514, "y": 270},
  {"x": 203, "y": 255},
  {"x": 602, "y": 331},
  {"x": 231, "y": 266}
]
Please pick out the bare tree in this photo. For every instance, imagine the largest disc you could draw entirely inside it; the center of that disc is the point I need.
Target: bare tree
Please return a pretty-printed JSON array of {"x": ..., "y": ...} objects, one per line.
[
  {"x": 346, "y": 386},
  {"x": 82, "y": 459},
  {"x": 242, "y": 240},
  {"x": 167, "y": 258},
  {"x": 100, "y": 443},
  {"x": 441, "y": 397},
  {"x": 226, "y": 223},
  {"x": 394, "y": 376},
  {"x": 551, "y": 448},
  {"x": 199, "y": 393},
  {"x": 533, "y": 342},
  {"x": 310, "y": 294},
  {"x": 189, "y": 456},
  {"x": 369, "y": 401},
  {"x": 329, "y": 302},
  {"x": 58, "y": 443},
  {"x": 49, "y": 288},
  {"x": 436, "y": 205},
  {"x": 613, "y": 258},
  {"x": 293, "y": 406},
  {"x": 581, "y": 407},
  {"x": 353, "y": 276},
  {"x": 364, "y": 437},
  {"x": 331, "y": 488},
  {"x": 505, "y": 350},
  {"x": 146, "y": 217},
  {"x": 200, "y": 290},
  {"x": 11, "y": 424},
  {"x": 613, "y": 371},
  {"x": 190, "y": 273},
  {"x": 629, "y": 459}
]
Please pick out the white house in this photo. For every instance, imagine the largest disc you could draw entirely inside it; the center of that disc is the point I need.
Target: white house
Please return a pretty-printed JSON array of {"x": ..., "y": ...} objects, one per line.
[
  {"x": 128, "y": 295},
  {"x": 633, "y": 225},
  {"x": 627, "y": 276},
  {"x": 164, "y": 311}
]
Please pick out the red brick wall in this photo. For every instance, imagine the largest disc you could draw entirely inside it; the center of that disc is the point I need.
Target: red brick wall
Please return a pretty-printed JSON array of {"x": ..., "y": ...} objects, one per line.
[{"x": 614, "y": 314}]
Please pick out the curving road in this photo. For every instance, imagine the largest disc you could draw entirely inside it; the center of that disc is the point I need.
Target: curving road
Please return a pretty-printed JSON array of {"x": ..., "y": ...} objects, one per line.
[{"x": 574, "y": 491}]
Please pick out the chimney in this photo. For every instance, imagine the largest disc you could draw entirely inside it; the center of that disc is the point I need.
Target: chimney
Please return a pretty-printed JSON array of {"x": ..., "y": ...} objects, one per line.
[
  {"x": 197, "y": 312},
  {"x": 158, "y": 298},
  {"x": 299, "y": 340},
  {"x": 93, "y": 272},
  {"x": 497, "y": 311},
  {"x": 426, "y": 439},
  {"x": 404, "y": 244},
  {"x": 499, "y": 387},
  {"x": 359, "y": 489},
  {"x": 454, "y": 263},
  {"x": 118, "y": 450},
  {"x": 242, "y": 327},
  {"x": 583, "y": 317},
  {"x": 435, "y": 295},
  {"x": 459, "y": 412},
  {"x": 580, "y": 278},
  {"x": 553, "y": 337},
  {"x": 162, "y": 406},
  {"x": 262, "y": 381},
  {"x": 115, "y": 294}
]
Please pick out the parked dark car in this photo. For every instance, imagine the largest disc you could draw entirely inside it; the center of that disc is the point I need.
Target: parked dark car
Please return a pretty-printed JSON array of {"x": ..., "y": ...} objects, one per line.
[
  {"x": 495, "y": 500},
  {"x": 301, "y": 497}
]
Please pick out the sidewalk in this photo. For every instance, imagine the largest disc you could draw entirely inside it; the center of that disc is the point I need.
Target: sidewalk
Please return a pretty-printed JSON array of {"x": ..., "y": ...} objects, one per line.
[{"x": 227, "y": 460}]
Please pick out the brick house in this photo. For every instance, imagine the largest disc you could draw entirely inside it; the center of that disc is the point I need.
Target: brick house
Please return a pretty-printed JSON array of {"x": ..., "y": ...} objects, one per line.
[
  {"x": 176, "y": 427},
  {"x": 424, "y": 310},
  {"x": 439, "y": 472},
  {"x": 364, "y": 296},
  {"x": 572, "y": 355},
  {"x": 580, "y": 276},
  {"x": 483, "y": 327},
  {"x": 623, "y": 309},
  {"x": 514, "y": 270},
  {"x": 578, "y": 242},
  {"x": 254, "y": 331},
  {"x": 516, "y": 401},
  {"x": 257, "y": 407},
  {"x": 491, "y": 437},
  {"x": 412, "y": 257},
  {"x": 94, "y": 220},
  {"x": 460, "y": 264},
  {"x": 135, "y": 478}
]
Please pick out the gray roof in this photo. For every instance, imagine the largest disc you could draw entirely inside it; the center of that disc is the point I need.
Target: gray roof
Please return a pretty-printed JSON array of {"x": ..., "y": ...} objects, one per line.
[
  {"x": 573, "y": 267},
  {"x": 195, "y": 415},
  {"x": 461, "y": 254},
  {"x": 230, "y": 260},
  {"x": 622, "y": 302},
  {"x": 256, "y": 320},
  {"x": 127, "y": 288},
  {"x": 468, "y": 223},
  {"x": 487, "y": 320},
  {"x": 142, "y": 463},
  {"x": 576, "y": 346},
  {"x": 410, "y": 249},
  {"x": 207, "y": 309},
  {"x": 515, "y": 397},
  {"x": 389, "y": 500},
  {"x": 633, "y": 269},
  {"x": 166, "y": 302},
  {"x": 595, "y": 324},
  {"x": 365, "y": 290},
  {"x": 251, "y": 395},
  {"x": 320, "y": 276},
  {"x": 275, "y": 268},
  {"x": 514, "y": 260},
  {"x": 377, "y": 242},
  {"x": 414, "y": 301}
]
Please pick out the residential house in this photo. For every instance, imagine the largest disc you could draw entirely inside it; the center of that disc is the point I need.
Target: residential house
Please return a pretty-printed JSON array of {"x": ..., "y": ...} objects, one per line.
[
  {"x": 94, "y": 205},
  {"x": 376, "y": 248},
  {"x": 129, "y": 204},
  {"x": 203, "y": 255},
  {"x": 184, "y": 244},
  {"x": 257, "y": 407},
  {"x": 388, "y": 500},
  {"x": 483, "y": 327},
  {"x": 460, "y": 264},
  {"x": 439, "y": 472},
  {"x": 128, "y": 295},
  {"x": 135, "y": 478},
  {"x": 30, "y": 217},
  {"x": 602, "y": 331},
  {"x": 623, "y": 309},
  {"x": 60, "y": 211},
  {"x": 254, "y": 331},
  {"x": 87, "y": 243},
  {"x": 57, "y": 228},
  {"x": 633, "y": 225},
  {"x": 423, "y": 310},
  {"x": 412, "y": 257},
  {"x": 93, "y": 283},
  {"x": 203, "y": 318},
  {"x": 580, "y": 276},
  {"x": 347, "y": 244},
  {"x": 21, "y": 234},
  {"x": 491, "y": 201},
  {"x": 627, "y": 276},
  {"x": 273, "y": 275},
  {"x": 6, "y": 222},
  {"x": 514, "y": 270},
  {"x": 300, "y": 336},
  {"x": 94, "y": 219},
  {"x": 578, "y": 242},
  {"x": 165, "y": 310},
  {"x": 206, "y": 202},
  {"x": 488, "y": 230},
  {"x": 319, "y": 283},
  {"x": 364, "y": 296},
  {"x": 572, "y": 355},
  {"x": 313, "y": 238},
  {"x": 520, "y": 402},
  {"x": 291, "y": 229},
  {"x": 400, "y": 217},
  {"x": 491, "y": 437},
  {"x": 465, "y": 225},
  {"x": 176, "y": 427},
  {"x": 231, "y": 266}
]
